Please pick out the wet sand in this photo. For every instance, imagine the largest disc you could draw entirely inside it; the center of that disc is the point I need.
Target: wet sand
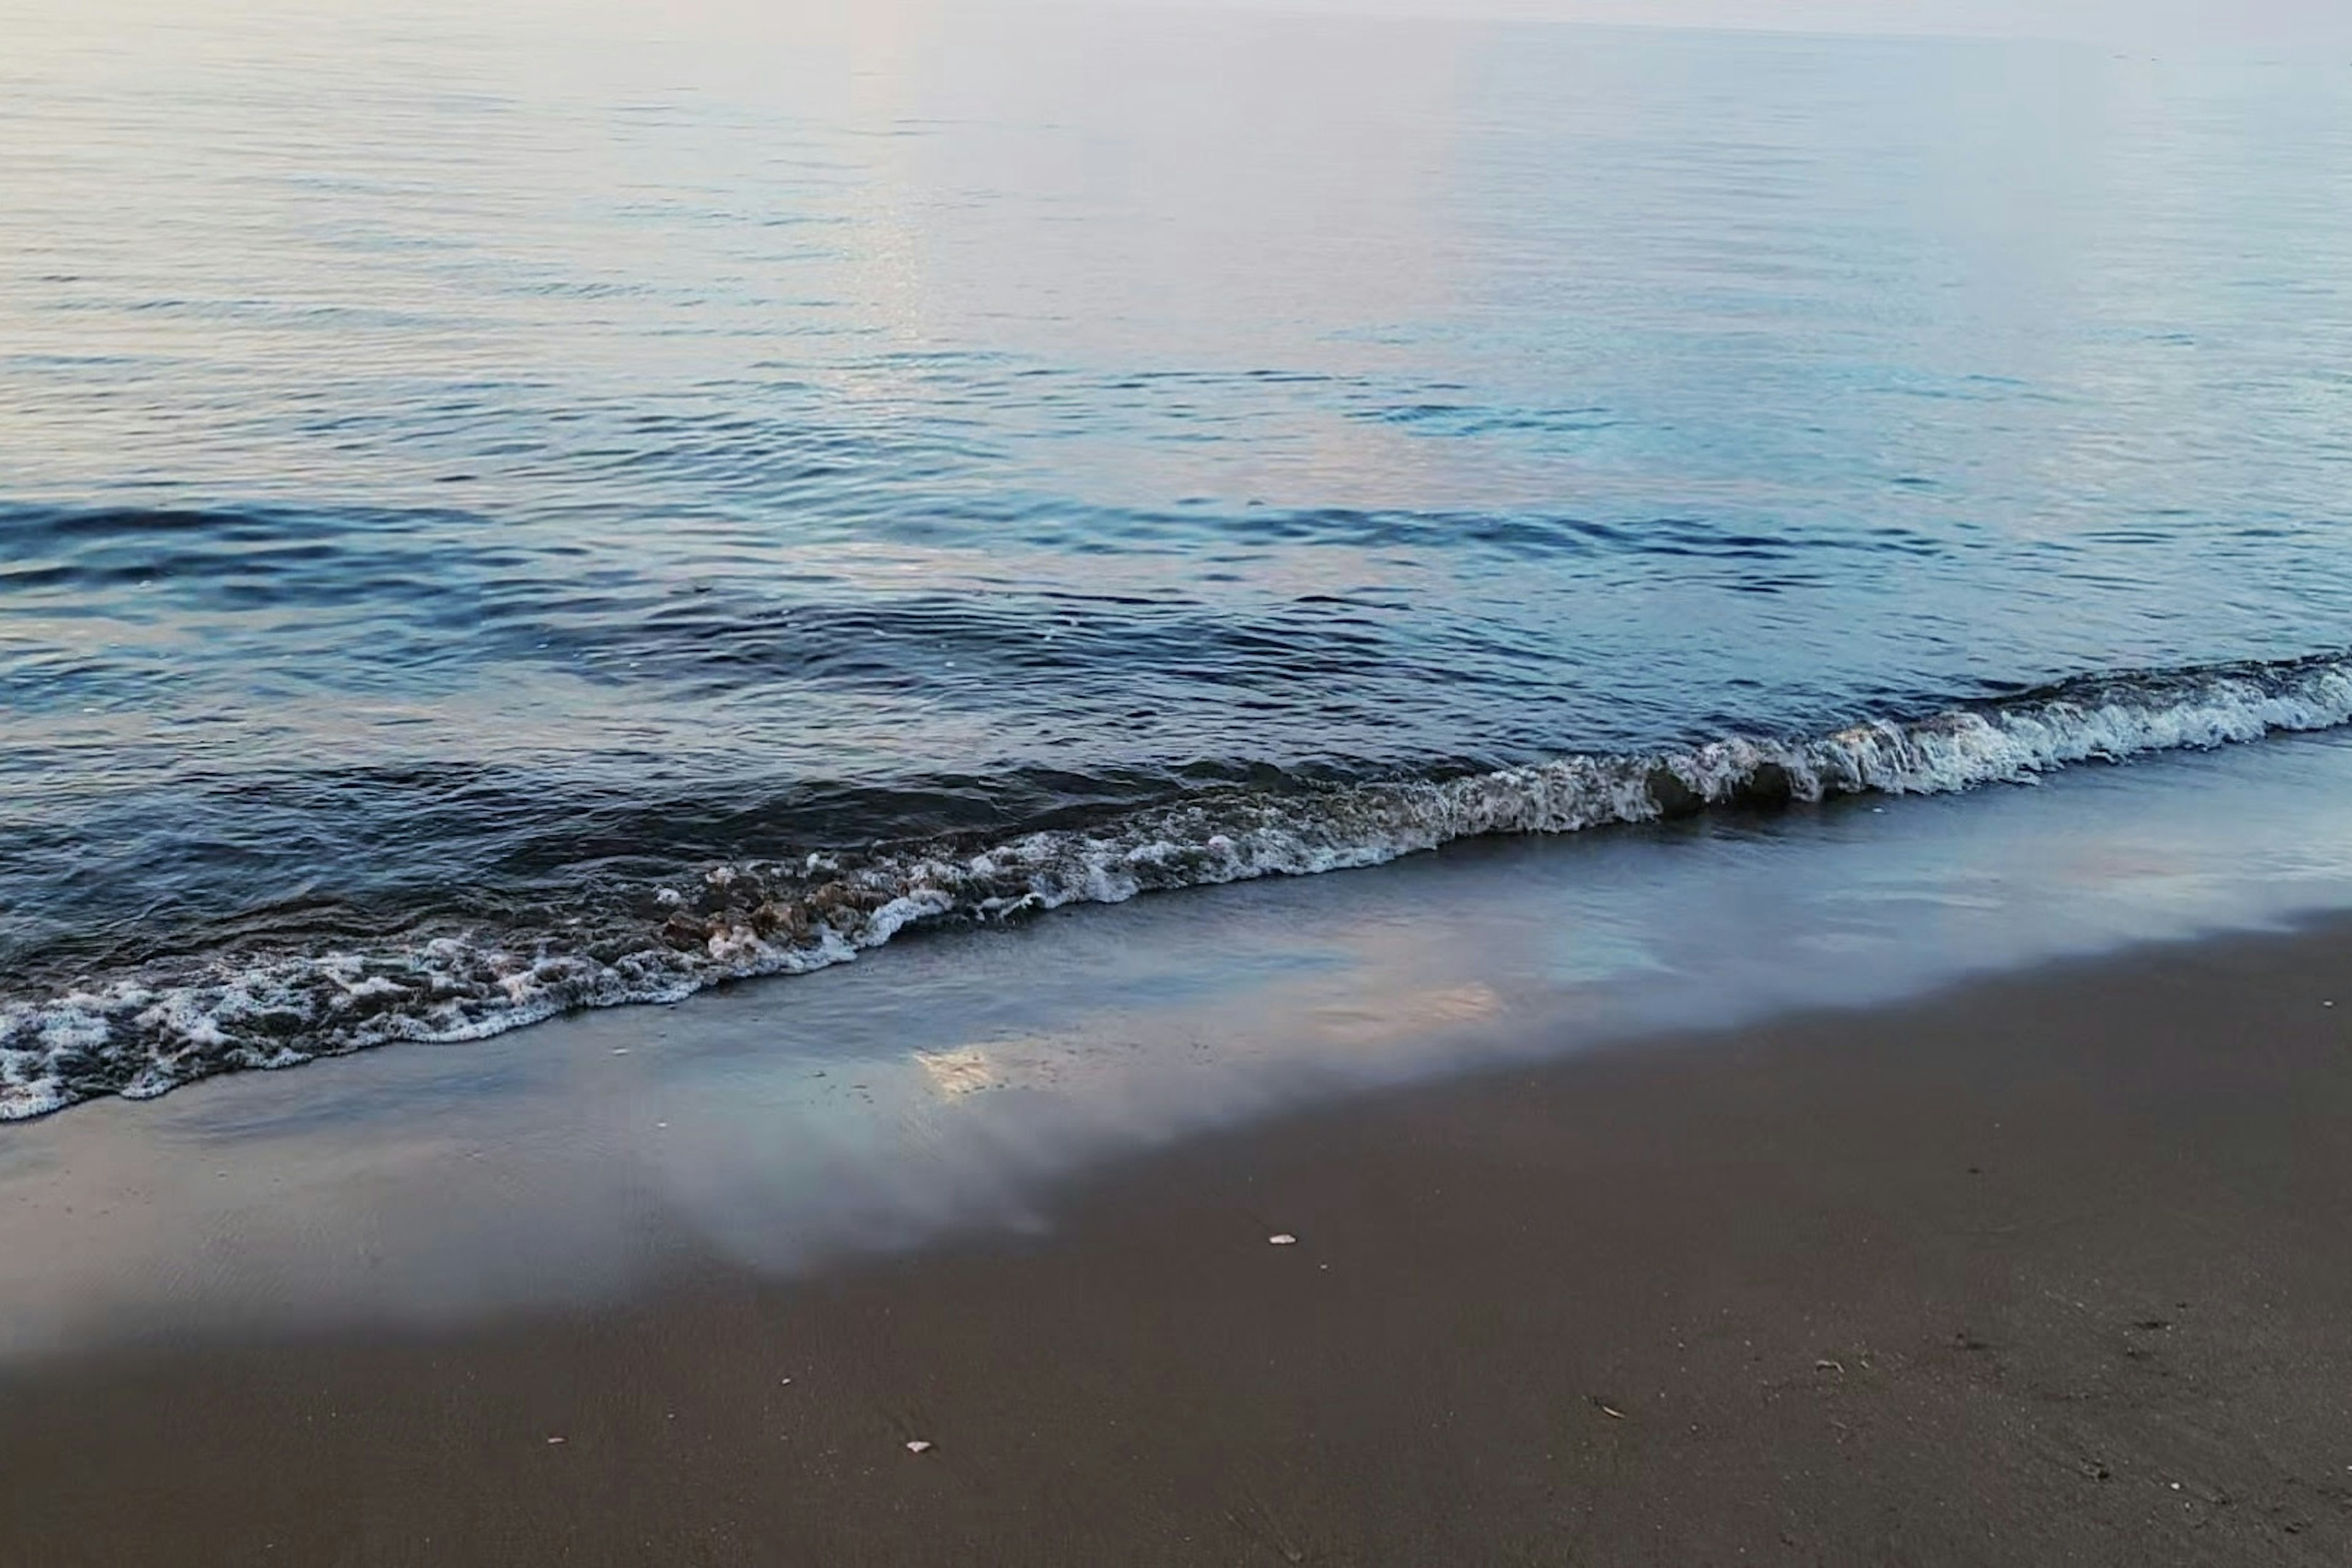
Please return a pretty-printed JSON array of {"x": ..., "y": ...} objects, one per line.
[{"x": 2046, "y": 1269}]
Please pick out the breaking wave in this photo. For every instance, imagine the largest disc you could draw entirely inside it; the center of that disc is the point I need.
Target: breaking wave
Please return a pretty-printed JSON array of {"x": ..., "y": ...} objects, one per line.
[{"x": 167, "y": 1023}]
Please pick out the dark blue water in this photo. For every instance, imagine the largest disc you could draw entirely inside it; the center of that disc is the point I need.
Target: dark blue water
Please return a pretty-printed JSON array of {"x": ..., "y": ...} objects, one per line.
[{"x": 502, "y": 513}]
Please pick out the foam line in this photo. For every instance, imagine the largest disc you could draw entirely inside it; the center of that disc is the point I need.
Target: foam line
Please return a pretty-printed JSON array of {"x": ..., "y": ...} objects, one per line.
[{"x": 143, "y": 1033}]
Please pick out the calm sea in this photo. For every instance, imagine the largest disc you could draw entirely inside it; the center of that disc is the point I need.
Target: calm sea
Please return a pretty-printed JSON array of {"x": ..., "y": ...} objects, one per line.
[{"x": 512, "y": 508}]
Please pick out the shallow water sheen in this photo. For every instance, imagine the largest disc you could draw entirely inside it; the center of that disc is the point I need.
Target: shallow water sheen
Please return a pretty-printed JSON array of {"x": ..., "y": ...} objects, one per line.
[{"x": 467, "y": 474}]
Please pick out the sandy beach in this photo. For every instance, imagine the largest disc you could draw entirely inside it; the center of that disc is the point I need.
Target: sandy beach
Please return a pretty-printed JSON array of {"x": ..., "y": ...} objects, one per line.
[
  {"x": 2046, "y": 1269},
  {"x": 1175, "y": 782}
]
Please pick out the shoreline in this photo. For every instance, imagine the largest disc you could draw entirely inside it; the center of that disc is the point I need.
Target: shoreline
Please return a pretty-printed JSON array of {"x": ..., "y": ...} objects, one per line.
[
  {"x": 2041, "y": 1268},
  {"x": 141, "y": 1032}
]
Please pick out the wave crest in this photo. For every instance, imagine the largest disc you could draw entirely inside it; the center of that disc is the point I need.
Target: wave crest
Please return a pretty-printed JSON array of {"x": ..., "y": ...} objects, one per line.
[{"x": 143, "y": 1033}]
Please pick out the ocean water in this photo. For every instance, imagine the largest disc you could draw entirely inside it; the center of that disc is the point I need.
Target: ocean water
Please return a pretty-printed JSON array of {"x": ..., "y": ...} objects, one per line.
[{"x": 512, "y": 509}]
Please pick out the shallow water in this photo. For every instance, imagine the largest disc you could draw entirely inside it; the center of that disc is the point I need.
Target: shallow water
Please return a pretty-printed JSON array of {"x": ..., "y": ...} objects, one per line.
[
  {"x": 955, "y": 1086},
  {"x": 466, "y": 476}
]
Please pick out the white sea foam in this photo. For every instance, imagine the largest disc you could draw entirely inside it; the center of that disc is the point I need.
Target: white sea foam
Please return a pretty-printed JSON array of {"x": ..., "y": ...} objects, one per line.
[{"x": 144, "y": 1033}]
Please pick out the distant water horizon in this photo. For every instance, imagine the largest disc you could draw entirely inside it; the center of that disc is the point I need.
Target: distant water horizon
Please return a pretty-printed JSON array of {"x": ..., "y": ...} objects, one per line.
[{"x": 507, "y": 513}]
